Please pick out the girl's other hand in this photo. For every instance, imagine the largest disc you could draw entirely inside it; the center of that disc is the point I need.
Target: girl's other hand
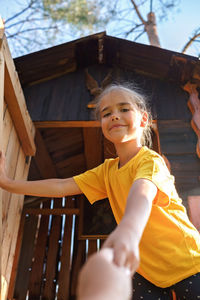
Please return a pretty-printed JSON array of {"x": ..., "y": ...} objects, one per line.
[{"x": 125, "y": 246}]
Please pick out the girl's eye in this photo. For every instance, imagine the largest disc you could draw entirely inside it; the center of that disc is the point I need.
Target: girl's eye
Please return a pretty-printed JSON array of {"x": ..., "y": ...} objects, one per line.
[
  {"x": 125, "y": 109},
  {"x": 106, "y": 114}
]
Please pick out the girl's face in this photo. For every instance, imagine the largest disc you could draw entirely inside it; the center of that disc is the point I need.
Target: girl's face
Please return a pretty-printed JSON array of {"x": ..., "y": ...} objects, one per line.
[{"x": 120, "y": 120}]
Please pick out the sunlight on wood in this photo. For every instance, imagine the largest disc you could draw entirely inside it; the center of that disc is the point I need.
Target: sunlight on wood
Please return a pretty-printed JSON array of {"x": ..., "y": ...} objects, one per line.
[{"x": 4, "y": 287}]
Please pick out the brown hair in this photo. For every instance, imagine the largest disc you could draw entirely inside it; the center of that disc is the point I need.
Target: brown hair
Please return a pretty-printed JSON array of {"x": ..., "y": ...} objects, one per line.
[{"x": 140, "y": 102}]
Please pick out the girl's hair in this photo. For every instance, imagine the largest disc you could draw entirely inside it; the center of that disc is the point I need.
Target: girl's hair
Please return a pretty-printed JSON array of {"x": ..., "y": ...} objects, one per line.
[{"x": 140, "y": 102}]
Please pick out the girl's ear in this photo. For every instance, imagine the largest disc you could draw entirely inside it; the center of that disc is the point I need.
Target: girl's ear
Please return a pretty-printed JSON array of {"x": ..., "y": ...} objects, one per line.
[{"x": 144, "y": 119}]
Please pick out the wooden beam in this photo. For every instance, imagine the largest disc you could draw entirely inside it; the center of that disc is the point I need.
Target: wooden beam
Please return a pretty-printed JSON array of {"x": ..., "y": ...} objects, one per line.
[
  {"x": 2, "y": 64},
  {"x": 16, "y": 104},
  {"x": 65, "y": 124},
  {"x": 93, "y": 148},
  {"x": 55, "y": 211},
  {"x": 42, "y": 158}
]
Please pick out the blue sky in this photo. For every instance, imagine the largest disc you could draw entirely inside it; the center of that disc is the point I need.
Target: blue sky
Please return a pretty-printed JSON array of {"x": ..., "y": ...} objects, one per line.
[{"x": 173, "y": 33}]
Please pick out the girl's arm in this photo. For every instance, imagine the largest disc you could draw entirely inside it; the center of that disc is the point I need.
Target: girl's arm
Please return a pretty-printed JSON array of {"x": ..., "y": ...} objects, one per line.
[
  {"x": 42, "y": 188},
  {"x": 126, "y": 237}
]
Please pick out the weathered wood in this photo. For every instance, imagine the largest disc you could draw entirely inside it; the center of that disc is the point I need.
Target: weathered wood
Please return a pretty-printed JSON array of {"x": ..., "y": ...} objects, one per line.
[
  {"x": 78, "y": 261},
  {"x": 7, "y": 127},
  {"x": 16, "y": 103},
  {"x": 16, "y": 258},
  {"x": 21, "y": 172},
  {"x": 65, "y": 259},
  {"x": 176, "y": 137},
  {"x": 49, "y": 289},
  {"x": 36, "y": 275},
  {"x": 11, "y": 162},
  {"x": 65, "y": 124},
  {"x": 93, "y": 147},
  {"x": 42, "y": 158},
  {"x": 2, "y": 67},
  {"x": 13, "y": 214},
  {"x": 52, "y": 211},
  {"x": 92, "y": 247},
  {"x": 26, "y": 255}
]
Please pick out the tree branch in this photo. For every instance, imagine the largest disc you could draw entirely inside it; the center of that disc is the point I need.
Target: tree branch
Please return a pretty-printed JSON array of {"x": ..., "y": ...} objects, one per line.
[
  {"x": 30, "y": 29},
  {"x": 138, "y": 13},
  {"x": 22, "y": 11},
  {"x": 188, "y": 44}
]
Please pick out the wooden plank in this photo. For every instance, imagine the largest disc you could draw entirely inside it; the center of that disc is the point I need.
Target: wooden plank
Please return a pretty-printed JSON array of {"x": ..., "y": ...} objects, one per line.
[
  {"x": 176, "y": 137},
  {"x": 43, "y": 160},
  {"x": 64, "y": 124},
  {"x": 52, "y": 211},
  {"x": 11, "y": 162},
  {"x": 93, "y": 148},
  {"x": 65, "y": 259},
  {"x": 78, "y": 261},
  {"x": 36, "y": 275},
  {"x": 26, "y": 256},
  {"x": 92, "y": 247},
  {"x": 2, "y": 66},
  {"x": 16, "y": 258},
  {"x": 7, "y": 127},
  {"x": 49, "y": 290},
  {"x": 9, "y": 223},
  {"x": 16, "y": 103},
  {"x": 14, "y": 215}
]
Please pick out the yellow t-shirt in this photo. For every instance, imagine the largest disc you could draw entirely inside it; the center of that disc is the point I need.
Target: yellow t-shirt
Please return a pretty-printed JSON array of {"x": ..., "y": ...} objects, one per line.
[{"x": 170, "y": 244}]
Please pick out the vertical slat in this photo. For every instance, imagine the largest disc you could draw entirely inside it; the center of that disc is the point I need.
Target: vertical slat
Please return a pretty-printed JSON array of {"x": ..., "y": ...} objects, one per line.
[
  {"x": 93, "y": 155},
  {"x": 11, "y": 162},
  {"x": 78, "y": 261},
  {"x": 2, "y": 68},
  {"x": 92, "y": 247},
  {"x": 26, "y": 256},
  {"x": 64, "y": 274},
  {"x": 36, "y": 275},
  {"x": 9, "y": 223},
  {"x": 52, "y": 255},
  {"x": 16, "y": 258},
  {"x": 14, "y": 213},
  {"x": 7, "y": 127}
]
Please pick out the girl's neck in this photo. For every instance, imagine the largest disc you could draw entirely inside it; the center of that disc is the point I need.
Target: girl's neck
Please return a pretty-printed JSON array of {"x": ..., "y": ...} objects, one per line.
[{"x": 126, "y": 151}]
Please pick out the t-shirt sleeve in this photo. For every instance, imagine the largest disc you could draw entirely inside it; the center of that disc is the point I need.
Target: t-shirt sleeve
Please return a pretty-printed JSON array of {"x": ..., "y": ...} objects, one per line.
[
  {"x": 155, "y": 170},
  {"x": 92, "y": 184}
]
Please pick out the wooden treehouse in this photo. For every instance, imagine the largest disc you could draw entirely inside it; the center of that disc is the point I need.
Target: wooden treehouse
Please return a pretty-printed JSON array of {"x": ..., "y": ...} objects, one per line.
[{"x": 42, "y": 258}]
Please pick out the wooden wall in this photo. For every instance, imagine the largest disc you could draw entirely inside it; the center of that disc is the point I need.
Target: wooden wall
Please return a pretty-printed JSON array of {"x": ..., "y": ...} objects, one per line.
[
  {"x": 17, "y": 143},
  {"x": 52, "y": 251}
]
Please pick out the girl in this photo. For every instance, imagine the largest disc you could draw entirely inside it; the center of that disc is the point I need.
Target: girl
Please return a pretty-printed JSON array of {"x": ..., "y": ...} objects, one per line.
[{"x": 154, "y": 235}]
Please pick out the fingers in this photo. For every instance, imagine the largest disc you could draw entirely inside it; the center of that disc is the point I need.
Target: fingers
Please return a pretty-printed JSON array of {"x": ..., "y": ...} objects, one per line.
[{"x": 123, "y": 257}]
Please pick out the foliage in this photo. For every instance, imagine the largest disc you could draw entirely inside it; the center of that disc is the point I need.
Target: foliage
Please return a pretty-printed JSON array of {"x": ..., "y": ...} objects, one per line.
[{"x": 44, "y": 23}]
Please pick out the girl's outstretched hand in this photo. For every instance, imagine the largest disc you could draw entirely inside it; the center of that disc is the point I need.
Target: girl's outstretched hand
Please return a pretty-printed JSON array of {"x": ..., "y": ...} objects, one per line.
[
  {"x": 125, "y": 246},
  {"x": 101, "y": 279}
]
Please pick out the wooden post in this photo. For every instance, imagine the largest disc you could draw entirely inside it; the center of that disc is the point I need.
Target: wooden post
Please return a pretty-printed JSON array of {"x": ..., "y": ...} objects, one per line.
[{"x": 2, "y": 64}]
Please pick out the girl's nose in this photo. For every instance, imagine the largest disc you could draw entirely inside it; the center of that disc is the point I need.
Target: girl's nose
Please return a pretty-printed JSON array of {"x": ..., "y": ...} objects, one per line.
[{"x": 115, "y": 118}]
